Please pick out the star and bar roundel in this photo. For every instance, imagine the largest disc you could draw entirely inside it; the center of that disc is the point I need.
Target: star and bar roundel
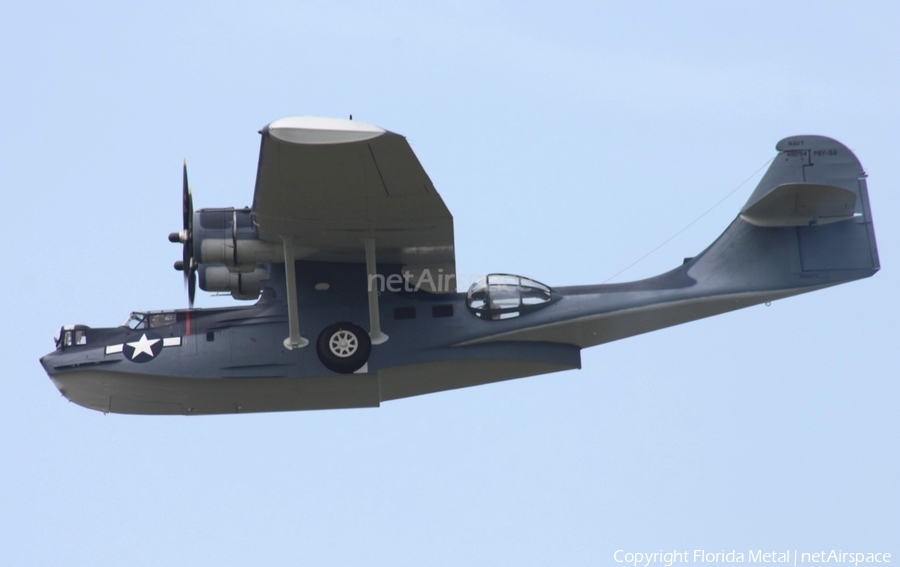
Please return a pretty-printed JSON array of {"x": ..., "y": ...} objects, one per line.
[{"x": 144, "y": 347}]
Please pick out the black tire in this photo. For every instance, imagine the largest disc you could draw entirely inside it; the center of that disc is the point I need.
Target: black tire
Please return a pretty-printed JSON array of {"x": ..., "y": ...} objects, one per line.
[{"x": 344, "y": 347}]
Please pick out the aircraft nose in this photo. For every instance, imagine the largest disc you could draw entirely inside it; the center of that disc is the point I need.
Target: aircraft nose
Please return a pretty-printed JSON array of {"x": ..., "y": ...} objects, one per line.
[{"x": 45, "y": 363}]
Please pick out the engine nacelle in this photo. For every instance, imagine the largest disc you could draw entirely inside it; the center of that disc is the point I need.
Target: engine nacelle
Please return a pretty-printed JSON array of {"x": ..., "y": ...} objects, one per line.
[
  {"x": 239, "y": 255},
  {"x": 241, "y": 285},
  {"x": 228, "y": 237}
]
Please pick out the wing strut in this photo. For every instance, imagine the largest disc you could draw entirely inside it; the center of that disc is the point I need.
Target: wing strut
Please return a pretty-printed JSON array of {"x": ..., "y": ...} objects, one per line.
[
  {"x": 374, "y": 320},
  {"x": 294, "y": 340}
]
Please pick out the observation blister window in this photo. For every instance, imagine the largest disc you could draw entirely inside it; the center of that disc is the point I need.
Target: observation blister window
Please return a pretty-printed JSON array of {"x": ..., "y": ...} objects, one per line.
[{"x": 505, "y": 296}]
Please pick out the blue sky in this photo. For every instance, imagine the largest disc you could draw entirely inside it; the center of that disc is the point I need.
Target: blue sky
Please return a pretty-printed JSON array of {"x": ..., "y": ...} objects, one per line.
[{"x": 568, "y": 141}]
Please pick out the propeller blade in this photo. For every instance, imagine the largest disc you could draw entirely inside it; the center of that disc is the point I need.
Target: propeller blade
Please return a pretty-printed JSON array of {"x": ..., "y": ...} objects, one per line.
[
  {"x": 187, "y": 208},
  {"x": 192, "y": 286},
  {"x": 187, "y": 263},
  {"x": 187, "y": 256}
]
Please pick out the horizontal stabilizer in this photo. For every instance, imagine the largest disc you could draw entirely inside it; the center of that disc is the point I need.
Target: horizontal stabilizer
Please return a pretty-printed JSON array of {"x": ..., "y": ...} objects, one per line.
[{"x": 801, "y": 204}]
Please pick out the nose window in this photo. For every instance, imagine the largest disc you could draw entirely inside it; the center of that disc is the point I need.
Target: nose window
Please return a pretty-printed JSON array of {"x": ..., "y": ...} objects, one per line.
[
  {"x": 504, "y": 296},
  {"x": 75, "y": 335}
]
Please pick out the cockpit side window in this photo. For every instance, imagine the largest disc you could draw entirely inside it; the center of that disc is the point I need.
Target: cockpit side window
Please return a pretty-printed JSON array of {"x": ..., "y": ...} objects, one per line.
[
  {"x": 161, "y": 319},
  {"x": 504, "y": 296}
]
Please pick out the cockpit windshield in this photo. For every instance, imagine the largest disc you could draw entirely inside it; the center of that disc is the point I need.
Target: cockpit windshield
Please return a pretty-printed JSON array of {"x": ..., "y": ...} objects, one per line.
[
  {"x": 504, "y": 296},
  {"x": 135, "y": 321}
]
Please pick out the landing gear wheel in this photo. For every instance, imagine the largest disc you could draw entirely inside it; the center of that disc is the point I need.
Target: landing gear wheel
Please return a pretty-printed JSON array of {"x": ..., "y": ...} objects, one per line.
[{"x": 344, "y": 347}]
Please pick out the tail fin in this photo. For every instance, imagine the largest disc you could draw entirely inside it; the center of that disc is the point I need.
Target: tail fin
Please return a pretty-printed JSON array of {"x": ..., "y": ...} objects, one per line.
[{"x": 807, "y": 224}]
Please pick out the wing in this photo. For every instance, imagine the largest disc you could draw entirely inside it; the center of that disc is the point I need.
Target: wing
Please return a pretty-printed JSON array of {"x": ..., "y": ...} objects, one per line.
[{"x": 331, "y": 183}]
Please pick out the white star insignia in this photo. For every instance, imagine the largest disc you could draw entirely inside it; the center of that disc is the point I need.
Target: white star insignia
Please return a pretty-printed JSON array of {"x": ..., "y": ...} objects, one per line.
[{"x": 143, "y": 345}]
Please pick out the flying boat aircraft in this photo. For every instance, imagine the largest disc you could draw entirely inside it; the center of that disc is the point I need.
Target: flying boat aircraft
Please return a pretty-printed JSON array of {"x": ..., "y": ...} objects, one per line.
[{"x": 348, "y": 252}]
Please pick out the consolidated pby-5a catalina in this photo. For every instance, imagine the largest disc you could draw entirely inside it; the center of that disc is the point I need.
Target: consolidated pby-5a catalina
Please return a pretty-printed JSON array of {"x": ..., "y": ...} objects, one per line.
[{"x": 348, "y": 250}]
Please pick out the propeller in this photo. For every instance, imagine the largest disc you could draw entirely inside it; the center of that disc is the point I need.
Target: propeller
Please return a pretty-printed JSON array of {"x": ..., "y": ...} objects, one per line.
[{"x": 187, "y": 264}]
